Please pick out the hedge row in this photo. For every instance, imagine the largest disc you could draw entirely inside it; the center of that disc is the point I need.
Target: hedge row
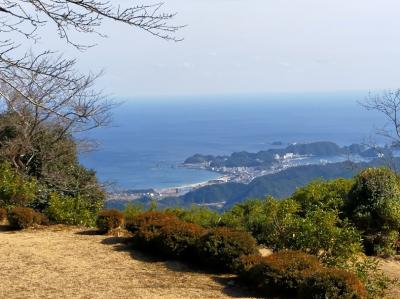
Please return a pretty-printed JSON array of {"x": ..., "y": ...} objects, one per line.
[
  {"x": 290, "y": 273},
  {"x": 298, "y": 274},
  {"x": 164, "y": 234},
  {"x": 22, "y": 217},
  {"x": 108, "y": 220}
]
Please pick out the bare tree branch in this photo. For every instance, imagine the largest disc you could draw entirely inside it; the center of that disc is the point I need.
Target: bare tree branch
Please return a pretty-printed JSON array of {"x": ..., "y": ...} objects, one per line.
[
  {"x": 54, "y": 95},
  {"x": 387, "y": 103},
  {"x": 81, "y": 16},
  {"x": 44, "y": 101},
  {"x": 26, "y": 17}
]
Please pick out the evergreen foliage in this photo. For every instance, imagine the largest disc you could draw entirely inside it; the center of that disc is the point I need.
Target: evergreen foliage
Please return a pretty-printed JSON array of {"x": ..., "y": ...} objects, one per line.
[
  {"x": 16, "y": 189},
  {"x": 199, "y": 215},
  {"x": 374, "y": 207},
  {"x": 76, "y": 210},
  {"x": 220, "y": 248}
]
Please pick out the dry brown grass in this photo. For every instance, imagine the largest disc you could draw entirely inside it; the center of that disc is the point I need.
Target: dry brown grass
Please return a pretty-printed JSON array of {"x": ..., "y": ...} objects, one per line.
[
  {"x": 392, "y": 269},
  {"x": 71, "y": 262},
  {"x": 67, "y": 262}
]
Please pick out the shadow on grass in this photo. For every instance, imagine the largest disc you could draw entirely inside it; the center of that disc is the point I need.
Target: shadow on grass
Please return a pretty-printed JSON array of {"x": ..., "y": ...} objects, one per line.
[
  {"x": 89, "y": 232},
  {"x": 233, "y": 288},
  {"x": 5, "y": 228},
  {"x": 229, "y": 282}
]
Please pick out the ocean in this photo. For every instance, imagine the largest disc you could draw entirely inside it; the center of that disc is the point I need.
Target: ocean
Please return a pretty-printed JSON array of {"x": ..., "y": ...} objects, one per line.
[{"x": 149, "y": 137}]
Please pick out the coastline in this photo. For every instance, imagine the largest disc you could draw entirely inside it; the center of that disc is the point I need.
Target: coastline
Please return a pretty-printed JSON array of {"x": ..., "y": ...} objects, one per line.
[
  {"x": 242, "y": 175},
  {"x": 305, "y": 154},
  {"x": 188, "y": 187}
]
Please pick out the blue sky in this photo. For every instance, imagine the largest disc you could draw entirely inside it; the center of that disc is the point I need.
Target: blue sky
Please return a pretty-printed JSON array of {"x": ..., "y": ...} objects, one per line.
[{"x": 253, "y": 46}]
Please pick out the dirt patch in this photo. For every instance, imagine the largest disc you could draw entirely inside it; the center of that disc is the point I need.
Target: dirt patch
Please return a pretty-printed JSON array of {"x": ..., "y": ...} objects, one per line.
[
  {"x": 265, "y": 251},
  {"x": 392, "y": 269},
  {"x": 68, "y": 262}
]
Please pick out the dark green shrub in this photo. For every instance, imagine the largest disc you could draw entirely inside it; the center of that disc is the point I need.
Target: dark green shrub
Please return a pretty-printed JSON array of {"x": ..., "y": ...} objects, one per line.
[
  {"x": 71, "y": 210},
  {"x": 270, "y": 221},
  {"x": 323, "y": 195},
  {"x": 323, "y": 234},
  {"x": 21, "y": 217},
  {"x": 220, "y": 248},
  {"x": 280, "y": 224},
  {"x": 178, "y": 239},
  {"x": 164, "y": 234},
  {"x": 15, "y": 188},
  {"x": 3, "y": 214},
  {"x": 131, "y": 210},
  {"x": 332, "y": 283},
  {"x": 374, "y": 207},
  {"x": 279, "y": 273},
  {"x": 198, "y": 215},
  {"x": 108, "y": 220},
  {"x": 146, "y": 228}
]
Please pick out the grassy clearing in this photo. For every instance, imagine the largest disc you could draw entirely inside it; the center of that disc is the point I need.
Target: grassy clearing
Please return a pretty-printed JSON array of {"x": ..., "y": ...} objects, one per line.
[{"x": 71, "y": 262}]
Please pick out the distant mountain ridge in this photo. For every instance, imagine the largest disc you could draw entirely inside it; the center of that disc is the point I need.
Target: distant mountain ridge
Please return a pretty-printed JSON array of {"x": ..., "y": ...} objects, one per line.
[
  {"x": 268, "y": 157},
  {"x": 280, "y": 185}
]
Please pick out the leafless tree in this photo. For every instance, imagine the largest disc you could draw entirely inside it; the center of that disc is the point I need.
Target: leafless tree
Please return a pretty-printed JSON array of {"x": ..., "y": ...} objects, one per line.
[
  {"x": 63, "y": 103},
  {"x": 44, "y": 97},
  {"x": 387, "y": 103},
  {"x": 25, "y": 17},
  {"x": 44, "y": 100},
  {"x": 52, "y": 85}
]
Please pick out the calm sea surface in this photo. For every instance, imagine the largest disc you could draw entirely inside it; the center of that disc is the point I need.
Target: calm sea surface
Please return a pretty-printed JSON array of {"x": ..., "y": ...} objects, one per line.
[{"x": 149, "y": 137}]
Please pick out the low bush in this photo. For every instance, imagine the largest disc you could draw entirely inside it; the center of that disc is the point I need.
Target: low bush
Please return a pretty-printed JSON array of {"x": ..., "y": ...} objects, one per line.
[
  {"x": 220, "y": 248},
  {"x": 146, "y": 228},
  {"x": 329, "y": 195},
  {"x": 332, "y": 283},
  {"x": 131, "y": 210},
  {"x": 15, "y": 188},
  {"x": 150, "y": 220},
  {"x": 39, "y": 218},
  {"x": 280, "y": 273},
  {"x": 280, "y": 225},
  {"x": 270, "y": 221},
  {"x": 22, "y": 217},
  {"x": 374, "y": 208},
  {"x": 298, "y": 274},
  {"x": 164, "y": 234},
  {"x": 108, "y": 220},
  {"x": 324, "y": 234},
  {"x": 178, "y": 239},
  {"x": 71, "y": 210},
  {"x": 245, "y": 263},
  {"x": 3, "y": 214},
  {"x": 198, "y": 215}
]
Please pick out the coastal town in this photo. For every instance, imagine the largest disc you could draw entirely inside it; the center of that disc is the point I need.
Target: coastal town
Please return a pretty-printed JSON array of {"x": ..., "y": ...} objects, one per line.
[
  {"x": 239, "y": 174},
  {"x": 243, "y": 167}
]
